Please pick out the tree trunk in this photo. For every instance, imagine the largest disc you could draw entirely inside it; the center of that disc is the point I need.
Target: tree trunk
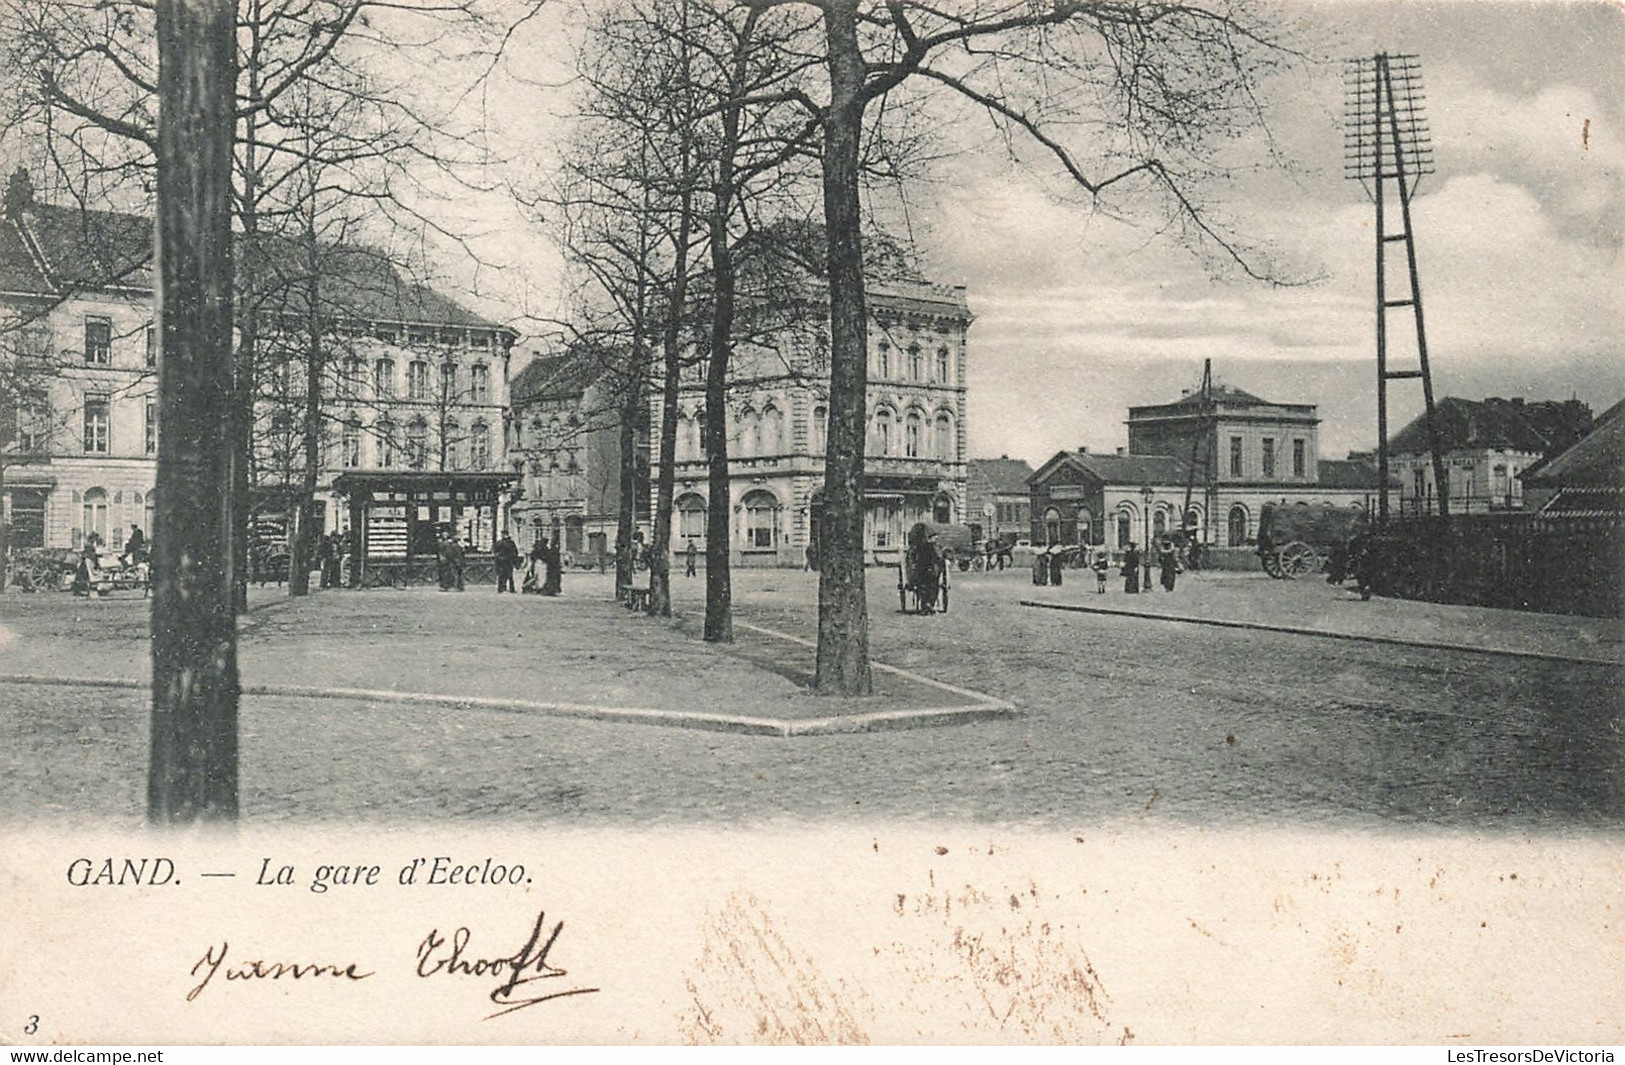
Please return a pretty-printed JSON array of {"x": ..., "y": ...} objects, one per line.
[
  {"x": 672, "y": 363},
  {"x": 5, "y": 540},
  {"x": 719, "y": 623},
  {"x": 626, "y": 523},
  {"x": 193, "y": 770},
  {"x": 843, "y": 615}
]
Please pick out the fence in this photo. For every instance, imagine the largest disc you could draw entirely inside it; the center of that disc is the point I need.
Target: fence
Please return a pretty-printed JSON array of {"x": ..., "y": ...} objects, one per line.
[{"x": 1562, "y": 565}]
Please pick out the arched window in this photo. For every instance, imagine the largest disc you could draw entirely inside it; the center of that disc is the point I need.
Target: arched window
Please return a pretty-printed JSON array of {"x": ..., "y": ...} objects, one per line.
[
  {"x": 554, "y": 459},
  {"x": 355, "y": 374},
  {"x": 942, "y": 509},
  {"x": 882, "y": 444},
  {"x": 417, "y": 379},
  {"x": 1193, "y": 520},
  {"x": 1125, "y": 527},
  {"x": 1159, "y": 523},
  {"x": 1086, "y": 527},
  {"x": 417, "y": 443},
  {"x": 750, "y": 432},
  {"x": 691, "y": 518},
  {"x": 1052, "y": 525},
  {"x": 151, "y": 512},
  {"x": 912, "y": 430},
  {"x": 350, "y": 443},
  {"x": 702, "y": 434},
  {"x": 946, "y": 451},
  {"x": 479, "y": 446},
  {"x": 94, "y": 519},
  {"x": 916, "y": 363},
  {"x": 820, "y": 429},
  {"x": 448, "y": 381},
  {"x": 761, "y": 520},
  {"x": 383, "y": 378},
  {"x": 1237, "y": 526},
  {"x": 942, "y": 364},
  {"x": 385, "y": 432},
  {"x": 479, "y": 383},
  {"x": 883, "y": 360},
  {"x": 538, "y": 435},
  {"x": 772, "y": 430}
]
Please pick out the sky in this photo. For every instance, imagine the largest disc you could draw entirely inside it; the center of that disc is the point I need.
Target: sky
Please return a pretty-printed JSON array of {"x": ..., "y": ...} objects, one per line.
[{"x": 1081, "y": 313}]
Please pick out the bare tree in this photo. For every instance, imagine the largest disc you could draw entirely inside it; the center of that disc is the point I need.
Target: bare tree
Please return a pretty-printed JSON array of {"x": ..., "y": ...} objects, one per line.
[{"x": 1126, "y": 97}]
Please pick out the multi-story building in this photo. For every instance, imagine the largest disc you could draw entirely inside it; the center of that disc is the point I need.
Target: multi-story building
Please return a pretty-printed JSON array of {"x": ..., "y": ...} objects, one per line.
[
  {"x": 1207, "y": 463},
  {"x": 415, "y": 391},
  {"x": 564, "y": 438},
  {"x": 1486, "y": 445},
  {"x": 777, "y": 418},
  {"x": 997, "y": 503}
]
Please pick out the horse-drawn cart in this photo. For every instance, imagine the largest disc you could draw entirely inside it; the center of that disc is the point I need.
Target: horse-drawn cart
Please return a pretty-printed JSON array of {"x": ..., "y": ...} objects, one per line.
[
  {"x": 1296, "y": 540},
  {"x": 922, "y": 575}
]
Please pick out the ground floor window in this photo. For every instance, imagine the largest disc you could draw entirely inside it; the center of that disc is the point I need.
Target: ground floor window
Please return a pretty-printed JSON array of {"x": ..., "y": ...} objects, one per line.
[
  {"x": 574, "y": 530},
  {"x": 761, "y": 520},
  {"x": 1125, "y": 528},
  {"x": 1238, "y": 526},
  {"x": 94, "y": 517},
  {"x": 1159, "y": 523},
  {"x": 1052, "y": 525},
  {"x": 691, "y": 518},
  {"x": 27, "y": 521},
  {"x": 943, "y": 510}
]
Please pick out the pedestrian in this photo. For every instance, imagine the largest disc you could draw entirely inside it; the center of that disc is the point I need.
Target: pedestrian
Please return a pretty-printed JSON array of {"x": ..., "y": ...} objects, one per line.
[
  {"x": 1168, "y": 562},
  {"x": 1131, "y": 567},
  {"x": 325, "y": 553},
  {"x": 442, "y": 560},
  {"x": 550, "y": 558},
  {"x": 623, "y": 569},
  {"x": 688, "y": 559},
  {"x": 533, "y": 579},
  {"x": 507, "y": 559},
  {"x": 135, "y": 548},
  {"x": 456, "y": 561},
  {"x": 1057, "y": 558},
  {"x": 1360, "y": 562},
  {"x": 1102, "y": 563},
  {"x": 1040, "y": 568},
  {"x": 987, "y": 556}
]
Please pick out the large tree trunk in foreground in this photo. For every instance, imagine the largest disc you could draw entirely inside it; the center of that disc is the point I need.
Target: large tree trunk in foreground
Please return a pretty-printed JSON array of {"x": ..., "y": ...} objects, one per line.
[
  {"x": 843, "y": 614},
  {"x": 193, "y": 771}
]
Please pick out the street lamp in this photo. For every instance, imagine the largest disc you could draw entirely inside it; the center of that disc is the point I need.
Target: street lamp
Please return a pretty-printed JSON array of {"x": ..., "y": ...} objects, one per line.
[{"x": 1146, "y": 494}]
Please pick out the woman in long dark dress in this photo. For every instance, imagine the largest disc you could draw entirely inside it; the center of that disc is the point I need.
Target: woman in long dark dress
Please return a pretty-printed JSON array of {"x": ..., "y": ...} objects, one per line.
[
  {"x": 550, "y": 559},
  {"x": 1168, "y": 562},
  {"x": 1131, "y": 568}
]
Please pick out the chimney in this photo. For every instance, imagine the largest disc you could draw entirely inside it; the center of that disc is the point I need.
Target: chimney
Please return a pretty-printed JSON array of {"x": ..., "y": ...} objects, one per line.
[
  {"x": 1517, "y": 401},
  {"x": 1083, "y": 449},
  {"x": 1122, "y": 451}
]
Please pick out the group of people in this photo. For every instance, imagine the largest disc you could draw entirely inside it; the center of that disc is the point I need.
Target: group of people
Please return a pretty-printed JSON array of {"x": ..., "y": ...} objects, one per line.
[
  {"x": 1168, "y": 567},
  {"x": 544, "y": 576},
  {"x": 135, "y": 554},
  {"x": 1048, "y": 564}
]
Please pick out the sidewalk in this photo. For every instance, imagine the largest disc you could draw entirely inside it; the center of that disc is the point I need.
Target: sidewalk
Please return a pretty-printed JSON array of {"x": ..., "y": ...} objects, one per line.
[
  {"x": 1313, "y": 606},
  {"x": 579, "y": 655}
]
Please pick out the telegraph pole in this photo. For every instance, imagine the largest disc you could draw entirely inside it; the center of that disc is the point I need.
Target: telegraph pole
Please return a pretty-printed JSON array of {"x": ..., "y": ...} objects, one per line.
[{"x": 1386, "y": 144}]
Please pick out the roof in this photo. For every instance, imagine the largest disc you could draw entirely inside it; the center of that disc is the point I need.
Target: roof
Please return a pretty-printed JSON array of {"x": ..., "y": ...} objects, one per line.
[
  {"x": 1596, "y": 460},
  {"x": 1499, "y": 424},
  {"x": 1003, "y": 475},
  {"x": 1347, "y": 473},
  {"x": 1223, "y": 394},
  {"x": 50, "y": 250},
  {"x": 553, "y": 377},
  {"x": 1117, "y": 469}
]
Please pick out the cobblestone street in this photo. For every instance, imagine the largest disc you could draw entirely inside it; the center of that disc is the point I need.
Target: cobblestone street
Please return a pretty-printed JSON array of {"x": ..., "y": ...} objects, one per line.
[{"x": 1118, "y": 718}]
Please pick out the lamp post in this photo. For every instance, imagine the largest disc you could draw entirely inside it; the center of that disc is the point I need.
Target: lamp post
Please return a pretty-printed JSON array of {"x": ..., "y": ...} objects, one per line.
[{"x": 1146, "y": 494}]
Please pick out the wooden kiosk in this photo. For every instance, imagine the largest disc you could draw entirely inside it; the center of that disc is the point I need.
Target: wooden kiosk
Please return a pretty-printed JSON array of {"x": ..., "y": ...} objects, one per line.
[{"x": 395, "y": 516}]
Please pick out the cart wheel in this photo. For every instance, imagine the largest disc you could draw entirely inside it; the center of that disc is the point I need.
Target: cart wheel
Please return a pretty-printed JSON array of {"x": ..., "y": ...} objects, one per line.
[
  {"x": 1298, "y": 559},
  {"x": 1272, "y": 564}
]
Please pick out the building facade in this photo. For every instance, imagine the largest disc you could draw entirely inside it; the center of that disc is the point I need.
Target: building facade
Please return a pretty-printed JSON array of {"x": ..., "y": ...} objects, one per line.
[
  {"x": 1204, "y": 463},
  {"x": 777, "y": 419},
  {"x": 1487, "y": 446},
  {"x": 997, "y": 503},
  {"x": 564, "y": 439},
  {"x": 411, "y": 382}
]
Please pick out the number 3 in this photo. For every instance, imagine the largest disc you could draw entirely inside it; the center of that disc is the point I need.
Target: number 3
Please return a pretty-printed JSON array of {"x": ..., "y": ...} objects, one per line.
[{"x": 32, "y": 1026}]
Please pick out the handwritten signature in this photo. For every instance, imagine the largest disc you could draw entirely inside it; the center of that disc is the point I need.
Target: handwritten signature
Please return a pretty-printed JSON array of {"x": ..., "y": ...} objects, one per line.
[
  {"x": 524, "y": 969},
  {"x": 438, "y": 955}
]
